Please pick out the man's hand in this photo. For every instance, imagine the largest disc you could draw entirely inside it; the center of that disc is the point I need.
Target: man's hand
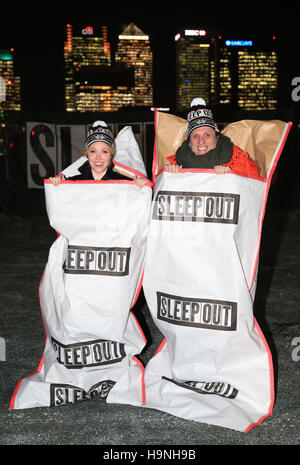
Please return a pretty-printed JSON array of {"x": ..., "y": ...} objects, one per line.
[
  {"x": 173, "y": 168},
  {"x": 221, "y": 169}
]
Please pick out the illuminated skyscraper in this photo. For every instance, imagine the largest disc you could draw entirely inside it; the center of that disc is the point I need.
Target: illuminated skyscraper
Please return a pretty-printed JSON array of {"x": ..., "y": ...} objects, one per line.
[
  {"x": 93, "y": 83},
  {"x": 242, "y": 73},
  {"x": 258, "y": 80},
  {"x": 10, "y": 87},
  {"x": 225, "y": 75},
  {"x": 249, "y": 76},
  {"x": 134, "y": 51},
  {"x": 195, "y": 67},
  {"x": 83, "y": 48},
  {"x": 10, "y": 93}
]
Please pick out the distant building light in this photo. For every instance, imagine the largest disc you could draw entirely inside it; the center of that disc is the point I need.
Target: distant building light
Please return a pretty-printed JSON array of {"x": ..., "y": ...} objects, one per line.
[
  {"x": 134, "y": 37},
  {"x": 195, "y": 32},
  {"x": 177, "y": 37},
  {"x": 159, "y": 109},
  {"x": 239, "y": 43}
]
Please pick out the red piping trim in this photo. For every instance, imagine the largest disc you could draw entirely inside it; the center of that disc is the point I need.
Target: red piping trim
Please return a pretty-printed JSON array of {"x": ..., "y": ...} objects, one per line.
[
  {"x": 154, "y": 163},
  {"x": 271, "y": 375},
  {"x": 160, "y": 347},
  {"x": 139, "y": 326},
  {"x": 213, "y": 171},
  {"x": 268, "y": 179},
  {"x": 110, "y": 181}
]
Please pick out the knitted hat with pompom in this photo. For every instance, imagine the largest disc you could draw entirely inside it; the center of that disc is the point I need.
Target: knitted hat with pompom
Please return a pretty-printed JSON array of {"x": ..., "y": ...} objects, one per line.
[
  {"x": 99, "y": 133},
  {"x": 199, "y": 116}
]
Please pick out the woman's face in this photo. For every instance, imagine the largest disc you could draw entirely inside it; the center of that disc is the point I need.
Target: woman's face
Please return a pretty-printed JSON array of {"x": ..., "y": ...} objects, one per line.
[
  {"x": 99, "y": 156},
  {"x": 202, "y": 140}
]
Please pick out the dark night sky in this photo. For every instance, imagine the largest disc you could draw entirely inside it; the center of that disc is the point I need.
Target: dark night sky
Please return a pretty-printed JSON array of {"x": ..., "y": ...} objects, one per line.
[{"x": 38, "y": 42}]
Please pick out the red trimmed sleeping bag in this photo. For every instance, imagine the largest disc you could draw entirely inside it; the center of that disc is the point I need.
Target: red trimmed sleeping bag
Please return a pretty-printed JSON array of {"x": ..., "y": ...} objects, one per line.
[
  {"x": 90, "y": 283},
  {"x": 213, "y": 365}
]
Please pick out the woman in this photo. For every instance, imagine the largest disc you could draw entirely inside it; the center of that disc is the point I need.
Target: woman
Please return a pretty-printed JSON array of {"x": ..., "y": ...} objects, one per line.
[
  {"x": 99, "y": 150},
  {"x": 206, "y": 148}
]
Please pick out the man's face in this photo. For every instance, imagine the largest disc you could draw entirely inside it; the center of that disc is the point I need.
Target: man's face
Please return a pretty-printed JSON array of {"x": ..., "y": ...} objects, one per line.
[{"x": 202, "y": 140}]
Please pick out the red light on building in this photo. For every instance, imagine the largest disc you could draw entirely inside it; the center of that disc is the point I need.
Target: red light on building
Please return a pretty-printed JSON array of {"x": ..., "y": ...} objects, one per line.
[{"x": 68, "y": 43}]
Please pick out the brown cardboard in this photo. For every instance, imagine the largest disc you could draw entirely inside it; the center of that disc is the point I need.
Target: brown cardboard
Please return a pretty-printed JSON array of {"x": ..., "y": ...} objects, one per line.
[{"x": 260, "y": 139}]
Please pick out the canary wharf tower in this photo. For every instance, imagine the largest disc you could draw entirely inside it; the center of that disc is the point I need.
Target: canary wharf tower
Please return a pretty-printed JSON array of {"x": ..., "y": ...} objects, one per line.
[
  {"x": 94, "y": 81},
  {"x": 134, "y": 51},
  {"x": 84, "y": 47},
  {"x": 226, "y": 71},
  {"x": 196, "y": 61}
]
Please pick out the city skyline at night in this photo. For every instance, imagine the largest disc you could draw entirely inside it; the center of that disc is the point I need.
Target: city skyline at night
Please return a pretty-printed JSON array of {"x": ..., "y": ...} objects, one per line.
[
  {"x": 240, "y": 73},
  {"x": 98, "y": 80},
  {"x": 39, "y": 55}
]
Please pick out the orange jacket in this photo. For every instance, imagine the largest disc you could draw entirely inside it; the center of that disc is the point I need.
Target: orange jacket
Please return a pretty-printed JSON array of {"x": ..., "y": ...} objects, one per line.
[{"x": 239, "y": 162}]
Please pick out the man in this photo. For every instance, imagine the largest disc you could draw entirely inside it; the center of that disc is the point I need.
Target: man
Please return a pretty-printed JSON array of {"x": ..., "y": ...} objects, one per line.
[{"x": 206, "y": 148}]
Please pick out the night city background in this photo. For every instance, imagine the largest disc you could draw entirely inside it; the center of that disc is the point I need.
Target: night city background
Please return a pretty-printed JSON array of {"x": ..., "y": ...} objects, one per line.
[
  {"x": 36, "y": 31},
  {"x": 38, "y": 41}
]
